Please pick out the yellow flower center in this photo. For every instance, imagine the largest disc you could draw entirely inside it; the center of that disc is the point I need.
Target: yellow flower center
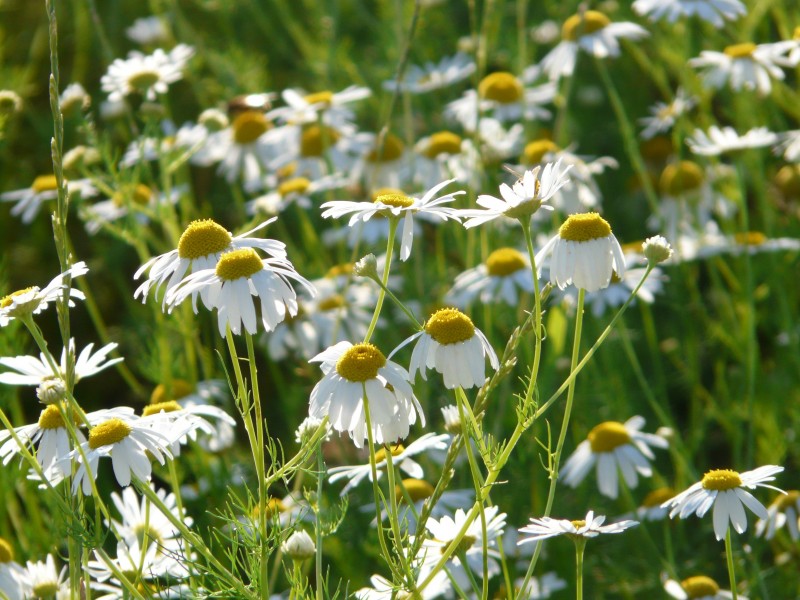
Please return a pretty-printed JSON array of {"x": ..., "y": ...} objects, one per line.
[
  {"x": 380, "y": 455},
  {"x": 796, "y": 35},
  {"x": 45, "y": 590},
  {"x": 465, "y": 544},
  {"x": 579, "y": 25},
  {"x": 323, "y": 98},
  {"x": 236, "y": 264},
  {"x": 449, "y": 326},
  {"x": 143, "y": 80},
  {"x": 657, "y": 497},
  {"x": 608, "y": 436},
  {"x": 147, "y": 535},
  {"x": 788, "y": 500},
  {"x": 395, "y": 200},
  {"x": 274, "y": 507},
  {"x": 443, "y": 142},
  {"x": 6, "y": 552},
  {"x": 788, "y": 180},
  {"x": 578, "y": 523},
  {"x": 178, "y": 389},
  {"x": 750, "y": 238},
  {"x": 584, "y": 227},
  {"x": 202, "y": 238},
  {"x": 6, "y": 301},
  {"x": 534, "y": 151},
  {"x": 699, "y": 586},
  {"x": 721, "y": 480},
  {"x": 502, "y": 87},
  {"x": 138, "y": 194},
  {"x": 154, "y": 409},
  {"x": 249, "y": 126},
  {"x": 392, "y": 150},
  {"x": 740, "y": 50},
  {"x": 315, "y": 140},
  {"x": 505, "y": 261},
  {"x": 51, "y": 418},
  {"x": 286, "y": 170},
  {"x": 44, "y": 183},
  {"x": 332, "y": 302},
  {"x": 657, "y": 149},
  {"x": 681, "y": 178},
  {"x": 296, "y": 185},
  {"x": 417, "y": 489},
  {"x": 339, "y": 270},
  {"x": 360, "y": 363},
  {"x": 109, "y": 432}
]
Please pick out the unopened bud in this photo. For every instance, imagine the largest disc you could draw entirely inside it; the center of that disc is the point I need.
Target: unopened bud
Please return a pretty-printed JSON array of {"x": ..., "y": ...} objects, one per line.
[
  {"x": 656, "y": 249},
  {"x": 299, "y": 546},
  {"x": 213, "y": 119},
  {"x": 367, "y": 267},
  {"x": 51, "y": 391}
]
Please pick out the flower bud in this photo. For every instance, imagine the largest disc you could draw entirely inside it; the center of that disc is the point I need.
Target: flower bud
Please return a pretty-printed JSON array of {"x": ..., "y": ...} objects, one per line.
[
  {"x": 367, "y": 267},
  {"x": 656, "y": 249},
  {"x": 299, "y": 546}
]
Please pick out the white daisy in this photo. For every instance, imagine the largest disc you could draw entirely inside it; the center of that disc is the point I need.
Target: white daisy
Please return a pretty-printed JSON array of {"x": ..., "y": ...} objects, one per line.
[
  {"x": 147, "y": 75},
  {"x": 294, "y": 190},
  {"x": 594, "y": 33},
  {"x": 784, "y": 510},
  {"x": 43, "y": 579},
  {"x": 452, "y": 345},
  {"x": 664, "y": 115},
  {"x": 718, "y": 141},
  {"x": 30, "y": 200},
  {"x": 391, "y": 165},
  {"x": 789, "y": 145},
  {"x": 725, "y": 491},
  {"x": 539, "y": 588},
  {"x": 613, "y": 447},
  {"x": 523, "y": 199},
  {"x": 73, "y": 100},
  {"x": 328, "y": 106},
  {"x": 33, "y": 300},
  {"x": 585, "y": 253},
  {"x": 446, "y": 155},
  {"x": 140, "y": 201},
  {"x": 710, "y": 11},
  {"x": 744, "y": 66},
  {"x": 199, "y": 248},
  {"x": 651, "y": 508},
  {"x": 588, "y": 527},
  {"x": 215, "y": 423},
  {"x": 698, "y": 587},
  {"x": 143, "y": 520},
  {"x": 383, "y": 589},
  {"x": 418, "y": 491},
  {"x": 397, "y": 206},
  {"x": 13, "y": 579},
  {"x": 433, "y": 76},
  {"x": 31, "y": 370},
  {"x": 355, "y": 373},
  {"x": 505, "y": 98},
  {"x": 149, "y": 31},
  {"x": 139, "y": 561},
  {"x": 246, "y": 149},
  {"x": 505, "y": 273}
]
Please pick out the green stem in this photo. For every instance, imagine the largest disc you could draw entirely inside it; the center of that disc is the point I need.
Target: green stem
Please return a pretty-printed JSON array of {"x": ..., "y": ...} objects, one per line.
[
  {"x": 580, "y": 545},
  {"x": 317, "y": 528},
  {"x": 393, "y": 222},
  {"x": 729, "y": 556}
]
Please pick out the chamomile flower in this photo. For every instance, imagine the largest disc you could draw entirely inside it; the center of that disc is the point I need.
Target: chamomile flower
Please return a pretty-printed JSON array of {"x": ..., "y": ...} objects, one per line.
[
  {"x": 652, "y": 507},
  {"x": 330, "y": 107},
  {"x": 355, "y": 374},
  {"x": 293, "y": 190},
  {"x": 594, "y": 33},
  {"x": 505, "y": 98},
  {"x": 789, "y": 145},
  {"x": 13, "y": 579},
  {"x": 149, "y": 31},
  {"x": 505, "y": 273},
  {"x": 411, "y": 495},
  {"x": 238, "y": 277},
  {"x": 383, "y": 589},
  {"x": 744, "y": 66},
  {"x": 784, "y": 510},
  {"x": 698, "y": 587},
  {"x": 613, "y": 447},
  {"x": 215, "y": 423},
  {"x": 391, "y": 165},
  {"x": 719, "y": 141},
  {"x": 199, "y": 248},
  {"x": 44, "y": 580},
  {"x": 664, "y": 115},
  {"x": 246, "y": 149},
  {"x": 147, "y": 75},
  {"x": 724, "y": 489},
  {"x": 29, "y": 201},
  {"x": 33, "y": 300},
  {"x": 74, "y": 99},
  {"x": 584, "y": 253},
  {"x": 433, "y": 76},
  {"x": 715, "y": 12},
  {"x": 588, "y": 527},
  {"x": 143, "y": 520},
  {"x": 520, "y": 201},
  {"x": 140, "y": 201},
  {"x": 451, "y": 344},
  {"x": 398, "y": 206},
  {"x": 539, "y": 588}
]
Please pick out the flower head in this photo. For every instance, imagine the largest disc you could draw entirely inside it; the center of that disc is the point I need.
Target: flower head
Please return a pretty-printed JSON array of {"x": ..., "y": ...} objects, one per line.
[
  {"x": 432, "y": 76},
  {"x": 33, "y": 300},
  {"x": 697, "y": 587},
  {"x": 714, "y": 12},
  {"x": 147, "y": 75},
  {"x": 504, "y": 274},
  {"x": 719, "y": 141},
  {"x": 784, "y": 510},
  {"x": 588, "y": 527}
]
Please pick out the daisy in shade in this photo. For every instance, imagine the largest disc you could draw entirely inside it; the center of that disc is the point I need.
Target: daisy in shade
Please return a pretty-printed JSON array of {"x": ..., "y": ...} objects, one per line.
[
  {"x": 398, "y": 206},
  {"x": 588, "y": 527},
  {"x": 411, "y": 495},
  {"x": 33, "y": 300},
  {"x": 664, "y": 115},
  {"x": 199, "y": 248},
  {"x": 584, "y": 253},
  {"x": 434, "y": 76},
  {"x": 238, "y": 277},
  {"x": 726, "y": 491},
  {"x": 383, "y": 589},
  {"x": 355, "y": 374},
  {"x": 141, "y": 519},
  {"x": 714, "y": 12},
  {"x": 13, "y": 580},
  {"x": 43, "y": 580},
  {"x": 744, "y": 66},
  {"x": 719, "y": 141},
  {"x": 613, "y": 446},
  {"x": 505, "y": 273},
  {"x": 523, "y": 199},
  {"x": 594, "y": 33},
  {"x": 451, "y": 344},
  {"x": 147, "y": 75},
  {"x": 784, "y": 510},
  {"x": 29, "y": 200},
  {"x": 698, "y": 587}
]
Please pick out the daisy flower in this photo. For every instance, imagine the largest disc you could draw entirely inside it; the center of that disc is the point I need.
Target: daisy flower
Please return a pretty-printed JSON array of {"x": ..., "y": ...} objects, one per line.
[
  {"x": 148, "y": 31},
  {"x": 147, "y": 75},
  {"x": 592, "y": 32},
  {"x": 451, "y": 344},
  {"x": 784, "y": 510},
  {"x": 383, "y": 589},
  {"x": 744, "y": 66},
  {"x": 33, "y": 300},
  {"x": 651, "y": 508},
  {"x": 714, "y": 12},
  {"x": 584, "y": 253},
  {"x": 246, "y": 149},
  {"x": 664, "y": 115},
  {"x": 789, "y": 145},
  {"x": 329, "y": 106},
  {"x": 294, "y": 190},
  {"x": 699, "y": 587},
  {"x": 199, "y": 248},
  {"x": 589, "y": 527},
  {"x": 299, "y": 546},
  {"x": 74, "y": 99},
  {"x": 31, "y": 370},
  {"x": 434, "y": 76},
  {"x": 142, "y": 520},
  {"x": 418, "y": 491},
  {"x": 397, "y": 206},
  {"x": 44, "y": 187},
  {"x": 391, "y": 165},
  {"x": 505, "y": 98},
  {"x": 13, "y": 578},
  {"x": 505, "y": 273},
  {"x": 539, "y": 588},
  {"x": 718, "y": 141},
  {"x": 520, "y": 201},
  {"x": 613, "y": 447},
  {"x": 220, "y": 432},
  {"x": 725, "y": 491},
  {"x": 139, "y": 561},
  {"x": 43, "y": 579},
  {"x": 357, "y": 373},
  {"x": 140, "y": 201}
]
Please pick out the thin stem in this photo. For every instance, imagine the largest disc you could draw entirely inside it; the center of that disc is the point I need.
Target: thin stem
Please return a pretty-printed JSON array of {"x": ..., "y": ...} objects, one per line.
[
  {"x": 393, "y": 222},
  {"x": 580, "y": 546},
  {"x": 729, "y": 556},
  {"x": 317, "y": 528}
]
